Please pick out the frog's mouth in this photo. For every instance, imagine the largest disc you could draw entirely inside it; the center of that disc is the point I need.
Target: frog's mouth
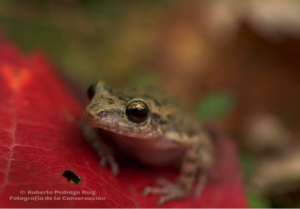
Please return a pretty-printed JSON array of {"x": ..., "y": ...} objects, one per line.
[
  {"x": 115, "y": 127},
  {"x": 121, "y": 129}
]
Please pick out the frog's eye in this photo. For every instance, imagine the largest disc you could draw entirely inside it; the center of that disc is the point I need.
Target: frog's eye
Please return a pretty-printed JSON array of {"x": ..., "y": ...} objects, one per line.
[
  {"x": 137, "y": 112},
  {"x": 91, "y": 91}
]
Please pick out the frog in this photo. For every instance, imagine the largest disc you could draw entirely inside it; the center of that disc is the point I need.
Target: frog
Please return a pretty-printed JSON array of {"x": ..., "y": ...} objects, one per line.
[{"x": 155, "y": 128}]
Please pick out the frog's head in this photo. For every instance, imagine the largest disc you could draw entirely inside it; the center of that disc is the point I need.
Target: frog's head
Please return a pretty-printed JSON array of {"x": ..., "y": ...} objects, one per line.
[{"x": 123, "y": 112}]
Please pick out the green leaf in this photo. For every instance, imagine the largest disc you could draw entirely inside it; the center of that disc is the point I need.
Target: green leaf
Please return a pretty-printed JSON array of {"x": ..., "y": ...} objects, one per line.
[{"x": 215, "y": 106}]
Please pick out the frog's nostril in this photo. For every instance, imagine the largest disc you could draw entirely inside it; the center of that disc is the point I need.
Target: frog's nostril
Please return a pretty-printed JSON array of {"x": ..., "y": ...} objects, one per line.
[{"x": 102, "y": 113}]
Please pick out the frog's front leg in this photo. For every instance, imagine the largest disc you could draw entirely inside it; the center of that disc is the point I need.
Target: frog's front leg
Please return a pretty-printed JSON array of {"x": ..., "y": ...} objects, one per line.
[
  {"x": 104, "y": 151},
  {"x": 198, "y": 155}
]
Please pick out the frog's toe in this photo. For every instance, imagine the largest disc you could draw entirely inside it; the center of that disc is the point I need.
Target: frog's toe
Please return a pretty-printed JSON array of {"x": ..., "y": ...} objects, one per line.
[
  {"x": 114, "y": 167},
  {"x": 170, "y": 196},
  {"x": 103, "y": 161},
  {"x": 154, "y": 191},
  {"x": 111, "y": 161},
  {"x": 169, "y": 191}
]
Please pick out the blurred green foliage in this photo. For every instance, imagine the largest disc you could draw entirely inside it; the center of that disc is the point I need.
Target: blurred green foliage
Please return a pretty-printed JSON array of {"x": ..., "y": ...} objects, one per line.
[
  {"x": 247, "y": 163},
  {"x": 87, "y": 39},
  {"x": 256, "y": 201},
  {"x": 215, "y": 106}
]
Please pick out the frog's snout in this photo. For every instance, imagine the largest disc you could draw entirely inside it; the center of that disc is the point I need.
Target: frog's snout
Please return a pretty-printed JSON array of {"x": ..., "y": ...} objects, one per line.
[
  {"x": 91, "y": 117},
  {"x": 91, "y": 114},
  {"x": 88, "y": 116}
]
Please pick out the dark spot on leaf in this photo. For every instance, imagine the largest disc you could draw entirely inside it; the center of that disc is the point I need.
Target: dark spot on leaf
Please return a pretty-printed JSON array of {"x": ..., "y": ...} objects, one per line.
[{"x": 71, "y": 176}]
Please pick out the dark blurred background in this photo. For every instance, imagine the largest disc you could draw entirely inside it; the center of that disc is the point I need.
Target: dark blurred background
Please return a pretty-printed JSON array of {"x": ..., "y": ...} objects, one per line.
[{"x": 234, "y": 63}]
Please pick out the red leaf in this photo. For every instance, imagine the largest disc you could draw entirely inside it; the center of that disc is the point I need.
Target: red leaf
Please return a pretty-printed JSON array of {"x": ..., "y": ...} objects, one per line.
[{"x": 39, "y": 140}]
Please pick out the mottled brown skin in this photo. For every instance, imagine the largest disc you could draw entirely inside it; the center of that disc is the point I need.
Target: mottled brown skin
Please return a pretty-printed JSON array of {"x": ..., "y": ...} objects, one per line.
[{"x": 169, "y": 133}]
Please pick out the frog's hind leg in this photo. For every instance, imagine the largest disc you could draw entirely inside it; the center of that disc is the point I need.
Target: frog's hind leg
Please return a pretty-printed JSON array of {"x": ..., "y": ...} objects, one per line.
[
  {"x": 198, "y": 155},
  {"x": 183, "y": 185},
  {"x": 103, "y": 150}
]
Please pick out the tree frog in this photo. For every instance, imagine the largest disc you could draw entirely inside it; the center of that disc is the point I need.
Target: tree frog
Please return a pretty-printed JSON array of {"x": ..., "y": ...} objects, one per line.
[{"x": 155, "y": 130}]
